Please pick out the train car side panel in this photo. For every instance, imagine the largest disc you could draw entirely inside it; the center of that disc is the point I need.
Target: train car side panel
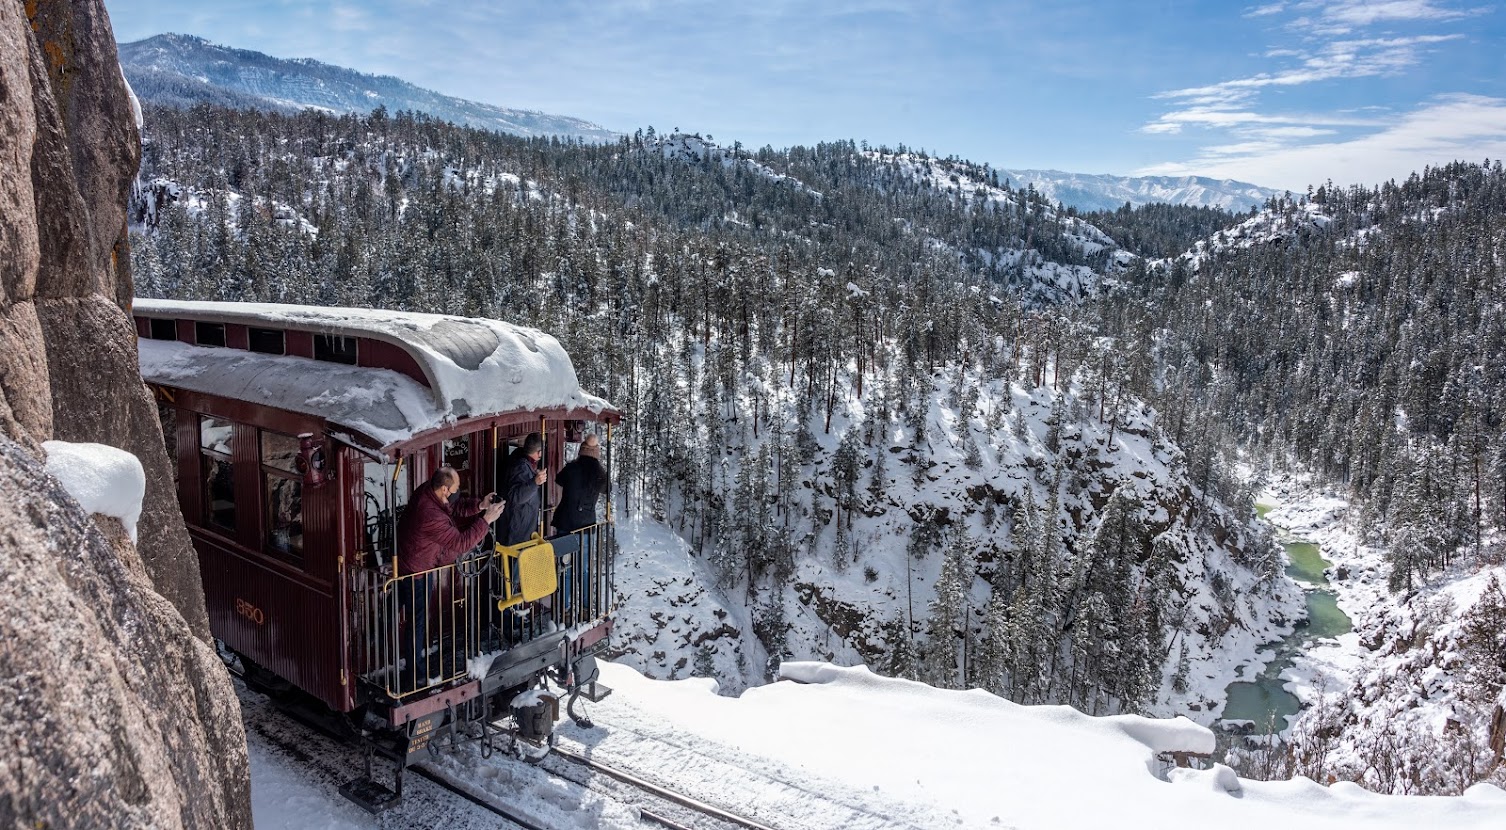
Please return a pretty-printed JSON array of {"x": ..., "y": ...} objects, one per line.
[{"x": 261, "y": 610}]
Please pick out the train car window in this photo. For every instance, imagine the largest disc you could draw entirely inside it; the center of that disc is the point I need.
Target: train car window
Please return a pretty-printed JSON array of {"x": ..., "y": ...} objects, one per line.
[
  {"x": 267, "y": 341},
  {"x": 209, "y": 334},
  {"x": 379, "y": 518},
  {"x": 164, "y": 329},
  {"x": 279, "y": 452},
  {"x": 335, "y": 349},
  {"x": 283, "y": 488},
  {"x": 216, "y": 437}
]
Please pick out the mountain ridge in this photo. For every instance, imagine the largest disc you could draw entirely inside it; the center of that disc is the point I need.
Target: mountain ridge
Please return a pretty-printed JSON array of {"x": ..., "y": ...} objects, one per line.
[
  {"x": 1105, "y": 191},
  {"x": 184, "y": 70}
]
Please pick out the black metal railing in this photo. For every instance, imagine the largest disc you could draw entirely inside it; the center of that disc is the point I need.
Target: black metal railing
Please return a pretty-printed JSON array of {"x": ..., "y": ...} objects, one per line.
[
  {"x": 585, "y": 579},
  {"x": 422, "y": 631}
]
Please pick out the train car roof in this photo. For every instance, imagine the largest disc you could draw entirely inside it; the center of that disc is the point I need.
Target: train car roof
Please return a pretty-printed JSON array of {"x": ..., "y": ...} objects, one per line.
[{"x": 472, "y": 367}]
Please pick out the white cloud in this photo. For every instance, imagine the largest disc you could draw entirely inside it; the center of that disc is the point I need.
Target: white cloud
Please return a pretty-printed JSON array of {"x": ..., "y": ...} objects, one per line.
[
  {"x": 1340, "y": 59},
  {"x": 1341, "y": 17},
  {"x": 1291, "y": 132},
  {"x": 1340, "y": 41},
  {"x": 1450, "y": 128},
  {"x": 1369, "y": 12},
  {"x": 1231, "y": 116},
  {"x": 1244, "y": 148},
  {"x": 1264, "y": 11}
]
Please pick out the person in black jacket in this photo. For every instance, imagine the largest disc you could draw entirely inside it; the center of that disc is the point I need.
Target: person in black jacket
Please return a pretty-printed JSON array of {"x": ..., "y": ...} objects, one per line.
[
  {"x": 520, "y": 482},
  {"x": 583, "y": 481}
]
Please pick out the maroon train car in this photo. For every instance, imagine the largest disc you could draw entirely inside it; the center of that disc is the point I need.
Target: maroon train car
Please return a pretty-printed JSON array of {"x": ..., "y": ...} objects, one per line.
[{"x": 298, "y": 435}]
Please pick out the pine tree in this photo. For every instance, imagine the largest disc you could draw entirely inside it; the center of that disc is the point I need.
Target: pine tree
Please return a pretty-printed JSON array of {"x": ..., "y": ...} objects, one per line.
[
  {"x": 705, "y": 665},
  {"x": 845, "y": 471},
  {"x": 940, "y": 664},
  {"x": 900, "y": 661},
  {"x": 1179, "y": 679},
  {"x": 990, "y": 668}
]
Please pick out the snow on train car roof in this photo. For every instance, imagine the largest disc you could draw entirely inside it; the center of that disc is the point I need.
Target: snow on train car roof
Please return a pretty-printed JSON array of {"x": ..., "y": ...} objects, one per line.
[{"x": 474, "y": 367}]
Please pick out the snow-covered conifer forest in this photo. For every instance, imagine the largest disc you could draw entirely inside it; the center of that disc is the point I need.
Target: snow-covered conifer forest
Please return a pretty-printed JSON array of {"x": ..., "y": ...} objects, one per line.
[{"x": 888, "y": 408}]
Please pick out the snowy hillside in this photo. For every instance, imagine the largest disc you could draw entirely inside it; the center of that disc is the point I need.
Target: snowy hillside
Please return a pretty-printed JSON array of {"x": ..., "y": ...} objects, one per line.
[
  {"x": 1039, "y": 277},
  {"x": 886, "y": 503},
  {"x": 964, "y": 180},
  {"x": 182, "y": 70},
  {"x": 693, "y": 148},
  {"x": 1264, "y": 228},
  {"x": 1346, "y": 334},
  {"x": 833, "y": 747},
  {"x": 1087, "y": 191},
  {"x": 150, "y": 199}
]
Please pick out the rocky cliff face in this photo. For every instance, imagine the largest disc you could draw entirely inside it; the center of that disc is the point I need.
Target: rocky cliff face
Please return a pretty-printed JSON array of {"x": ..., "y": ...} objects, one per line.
[{"x": 125, "y": 716}]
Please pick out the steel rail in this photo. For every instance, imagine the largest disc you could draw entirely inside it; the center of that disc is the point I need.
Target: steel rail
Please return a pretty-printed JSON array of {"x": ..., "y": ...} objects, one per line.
[
  {"x": 656, "y": 790},
  {"x": 647, "y": 815},
  {"x": 443, "y": 781}
]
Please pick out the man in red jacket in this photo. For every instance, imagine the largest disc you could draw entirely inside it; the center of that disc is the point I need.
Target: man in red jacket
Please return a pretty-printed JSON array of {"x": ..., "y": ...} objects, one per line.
[{"x": 435, "y": 530}]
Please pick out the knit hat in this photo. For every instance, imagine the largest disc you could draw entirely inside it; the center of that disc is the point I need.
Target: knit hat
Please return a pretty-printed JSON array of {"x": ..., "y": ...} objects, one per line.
[{"x": 590, "y": 450}]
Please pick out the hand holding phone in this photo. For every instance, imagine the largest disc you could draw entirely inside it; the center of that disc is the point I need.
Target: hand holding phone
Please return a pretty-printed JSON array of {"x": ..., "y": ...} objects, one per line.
[{"x": 493, "y": 510}]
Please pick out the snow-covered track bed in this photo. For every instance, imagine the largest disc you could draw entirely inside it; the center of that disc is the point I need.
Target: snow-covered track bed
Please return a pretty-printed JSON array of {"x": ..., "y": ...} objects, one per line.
[
  {"x": 643, "y": 802},
  {"x": 675, "y": 808},
  {"x": 460, "y": 790},
  {"x": 471, "y": 793},
  {"x": 325, "y": 763},
  {"x": 752, "y": 794}
]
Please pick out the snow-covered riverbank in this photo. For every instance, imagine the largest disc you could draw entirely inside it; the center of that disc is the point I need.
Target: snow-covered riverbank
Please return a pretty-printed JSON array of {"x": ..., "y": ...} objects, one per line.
[
  {"x": 1391, "y": 703},
  {"x": 1356, "y": 578}
]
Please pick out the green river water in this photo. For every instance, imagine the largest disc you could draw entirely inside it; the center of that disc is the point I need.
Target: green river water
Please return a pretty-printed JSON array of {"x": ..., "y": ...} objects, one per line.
[{"x": 1263, "y": 700}]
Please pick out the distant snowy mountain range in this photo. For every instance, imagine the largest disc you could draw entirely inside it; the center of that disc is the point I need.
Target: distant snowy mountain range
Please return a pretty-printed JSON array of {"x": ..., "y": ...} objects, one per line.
[
  {"x": 1086, "y": 191},
  {"x": 183, "y": 70}
]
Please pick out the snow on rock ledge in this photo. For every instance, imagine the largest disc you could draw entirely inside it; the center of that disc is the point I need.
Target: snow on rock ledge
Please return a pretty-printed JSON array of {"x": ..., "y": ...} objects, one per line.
[{"x": 103, "y": 479}]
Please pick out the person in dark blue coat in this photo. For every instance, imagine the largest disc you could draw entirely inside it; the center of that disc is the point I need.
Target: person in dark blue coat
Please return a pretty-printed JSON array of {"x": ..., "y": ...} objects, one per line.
[{"x": 521, "y": 477}]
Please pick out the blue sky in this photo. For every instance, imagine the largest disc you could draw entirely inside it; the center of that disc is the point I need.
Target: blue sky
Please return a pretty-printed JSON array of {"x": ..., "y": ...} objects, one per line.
[{"x": 1281, "y": 94}]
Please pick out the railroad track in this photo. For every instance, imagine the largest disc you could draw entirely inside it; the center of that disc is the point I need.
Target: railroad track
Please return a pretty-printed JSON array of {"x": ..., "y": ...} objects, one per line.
[
  {"x": 650, "y": 802},
  {"x": 330, "y": 759},
  {"x": 327, "y": 762},
  {"x": 783, "y": 797},
  {"x": 676, "y": 807},
  {"x": 476, "y": 797}
]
